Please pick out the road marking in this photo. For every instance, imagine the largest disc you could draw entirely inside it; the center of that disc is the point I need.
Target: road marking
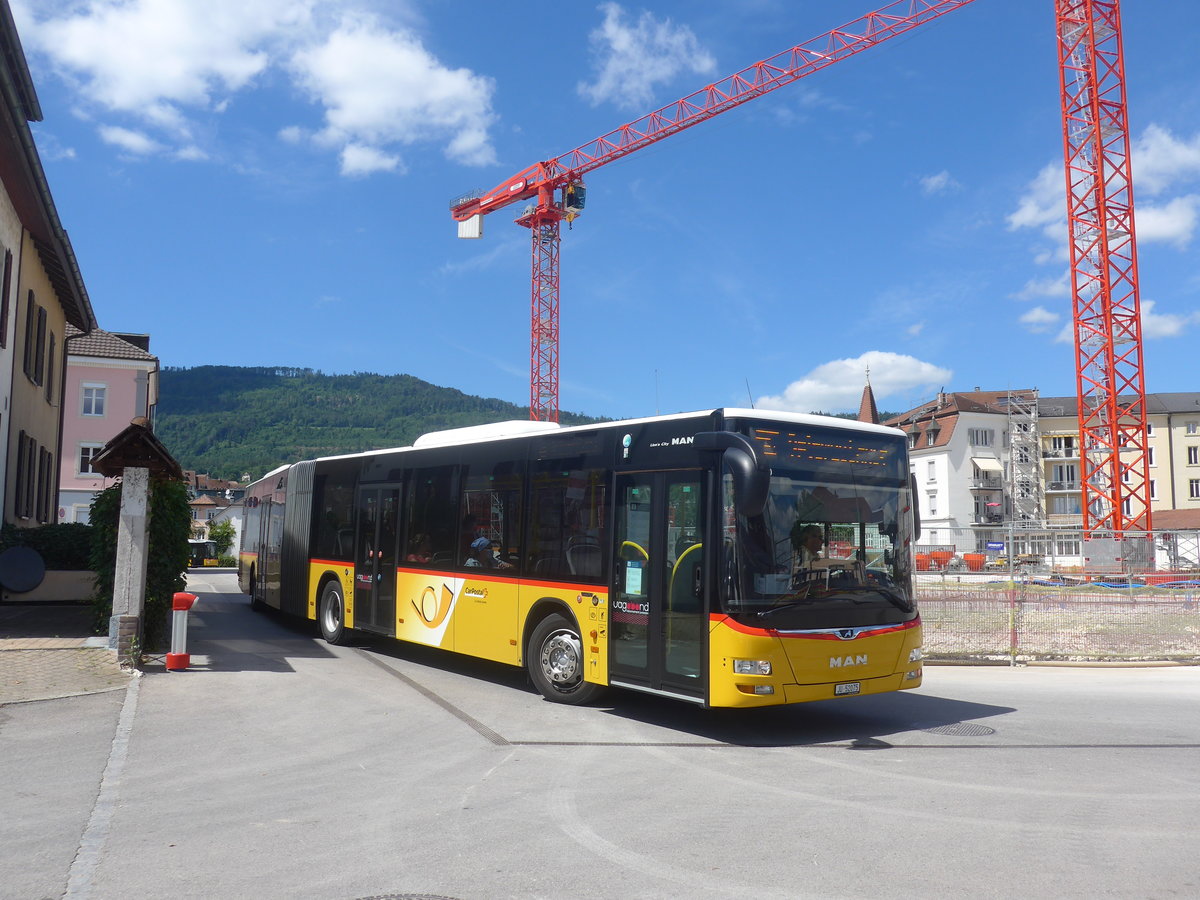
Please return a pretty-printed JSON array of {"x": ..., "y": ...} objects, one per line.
[{"x": 449, "y": 707}]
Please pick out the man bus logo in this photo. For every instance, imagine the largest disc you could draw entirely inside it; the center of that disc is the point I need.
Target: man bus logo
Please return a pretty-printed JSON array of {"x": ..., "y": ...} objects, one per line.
[{"x": 845, "y": 662}]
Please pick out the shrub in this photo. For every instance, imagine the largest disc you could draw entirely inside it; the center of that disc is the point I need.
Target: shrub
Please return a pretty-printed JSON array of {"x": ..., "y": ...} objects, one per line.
[
  {"x": 63, "y": 547},
  {"x": 169, "y": 524}
]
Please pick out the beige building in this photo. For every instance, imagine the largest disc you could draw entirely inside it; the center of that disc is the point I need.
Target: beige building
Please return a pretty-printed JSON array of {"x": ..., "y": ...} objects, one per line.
[
  {"x": 41, "y": 291},
  {"x": 1173, "y": 447}
]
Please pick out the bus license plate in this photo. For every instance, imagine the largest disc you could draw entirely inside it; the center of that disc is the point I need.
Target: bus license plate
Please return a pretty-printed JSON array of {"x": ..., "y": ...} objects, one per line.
[{"x": 850, "y": 687}]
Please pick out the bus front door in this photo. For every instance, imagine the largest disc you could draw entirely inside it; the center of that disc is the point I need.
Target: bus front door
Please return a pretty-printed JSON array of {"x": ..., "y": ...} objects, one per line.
[
  {"x": 375, "y": 559},
  {"x": 658, "y": 635}
]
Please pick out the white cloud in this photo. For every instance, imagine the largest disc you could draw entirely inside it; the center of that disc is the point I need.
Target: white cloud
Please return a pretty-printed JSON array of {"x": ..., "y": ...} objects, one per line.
[
  {"x": 358, "y": 160},
  {"x": 915, "y": 329},
  {"x": 381, "y": 86},
  {"x": 131, "y": 141},
  {"x": 838, "y": 385},
  {"x": 1046, "y": 287},
  {"x": 941, "y": 183},
  {"x": 1044, "y": 201},
  {"x": 167, "y": 65},
  {"x": 1160, "y": 325},
  {"x": 1039, "y": 320},
  {"x": 151, "y": 58},
  {"x": 1159, "y": 159},
  {"x": 1173, "y": 222},
  {"x": 1154, "y": 324},
  {"x": 632, "y": 59}
]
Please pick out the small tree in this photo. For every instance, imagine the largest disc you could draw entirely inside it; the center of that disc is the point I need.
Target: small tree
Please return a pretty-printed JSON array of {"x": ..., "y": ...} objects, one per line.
[{"x": 223, "y": 534}]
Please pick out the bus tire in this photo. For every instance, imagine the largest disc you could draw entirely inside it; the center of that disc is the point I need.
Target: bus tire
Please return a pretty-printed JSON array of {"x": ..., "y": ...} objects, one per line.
[
  {"x": 555, "y": 661},
  {"x": 331, "y": 614},
  {"x": 256, "y": 603}
]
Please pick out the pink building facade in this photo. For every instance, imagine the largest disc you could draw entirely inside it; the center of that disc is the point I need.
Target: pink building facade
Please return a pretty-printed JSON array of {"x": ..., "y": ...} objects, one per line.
[{"x": 111, "y": 379}]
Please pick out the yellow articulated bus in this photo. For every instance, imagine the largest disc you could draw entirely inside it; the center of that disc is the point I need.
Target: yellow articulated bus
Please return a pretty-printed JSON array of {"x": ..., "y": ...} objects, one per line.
[{"x": 729, "y": 558}]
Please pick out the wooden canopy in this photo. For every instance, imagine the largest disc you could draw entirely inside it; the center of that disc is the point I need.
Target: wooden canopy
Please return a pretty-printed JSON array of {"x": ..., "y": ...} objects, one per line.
[{"x": 136, "y": 447}]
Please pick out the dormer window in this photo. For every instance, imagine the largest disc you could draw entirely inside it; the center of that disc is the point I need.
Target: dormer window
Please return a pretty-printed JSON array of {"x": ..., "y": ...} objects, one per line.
[{"x": 931, "y": 433}]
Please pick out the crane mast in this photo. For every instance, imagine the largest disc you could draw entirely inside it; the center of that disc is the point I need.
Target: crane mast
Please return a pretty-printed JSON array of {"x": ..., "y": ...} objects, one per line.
[{"x": 1110, "y": 385}]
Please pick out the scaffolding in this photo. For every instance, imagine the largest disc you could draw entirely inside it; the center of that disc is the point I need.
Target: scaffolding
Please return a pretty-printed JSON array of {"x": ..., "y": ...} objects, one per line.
[{"x": 1026, "y": 492}]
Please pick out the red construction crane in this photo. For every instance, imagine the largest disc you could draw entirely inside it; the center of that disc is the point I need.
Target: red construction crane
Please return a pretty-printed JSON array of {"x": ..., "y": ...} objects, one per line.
[
  {"x": 556, "y": 185},
  {"x": 1111, "y": 391},
  {"x": 1110, "y": 386}
]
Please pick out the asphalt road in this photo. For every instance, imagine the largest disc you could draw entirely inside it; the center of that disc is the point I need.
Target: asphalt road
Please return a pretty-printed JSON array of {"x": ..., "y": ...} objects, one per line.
[{"x": 281, "y": 767}]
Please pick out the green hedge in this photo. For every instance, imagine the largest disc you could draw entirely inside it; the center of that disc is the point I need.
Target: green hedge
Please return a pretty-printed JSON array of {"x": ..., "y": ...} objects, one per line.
[{"x": 63, "y": 547}]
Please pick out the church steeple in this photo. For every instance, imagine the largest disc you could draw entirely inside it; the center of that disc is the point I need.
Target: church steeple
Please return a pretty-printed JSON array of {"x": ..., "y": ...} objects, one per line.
[{"x": 867, "y": 411}]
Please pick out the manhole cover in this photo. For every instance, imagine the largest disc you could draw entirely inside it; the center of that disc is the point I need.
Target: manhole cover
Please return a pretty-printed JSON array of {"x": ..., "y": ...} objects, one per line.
[{"x": 962, "y": 729}]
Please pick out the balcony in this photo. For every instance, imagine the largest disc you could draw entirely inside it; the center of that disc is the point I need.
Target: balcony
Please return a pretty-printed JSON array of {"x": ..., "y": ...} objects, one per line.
[
  {"x": 989, "y": 519},
  {"x": 1071, "y": 487},
  {"x": 1061, "y": 453},
  {"x": 1064, "y": 520},
  {"x": 988, "y": 483}
]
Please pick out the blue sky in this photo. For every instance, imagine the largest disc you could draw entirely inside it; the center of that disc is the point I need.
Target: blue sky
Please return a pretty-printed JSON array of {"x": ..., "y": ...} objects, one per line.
[{"x": 267, "y": 183}]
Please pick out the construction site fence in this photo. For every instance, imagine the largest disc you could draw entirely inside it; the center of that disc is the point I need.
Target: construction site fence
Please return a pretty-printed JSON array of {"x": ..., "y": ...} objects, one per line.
[{"x": 1020, "y": 596}]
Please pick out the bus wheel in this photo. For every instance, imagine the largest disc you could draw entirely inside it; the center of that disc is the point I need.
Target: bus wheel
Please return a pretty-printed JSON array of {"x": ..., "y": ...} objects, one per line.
[
  {"x": 256, "y": 603},
  {"x": 555, "y": 661},
  {"x": 331, "y": 615}
]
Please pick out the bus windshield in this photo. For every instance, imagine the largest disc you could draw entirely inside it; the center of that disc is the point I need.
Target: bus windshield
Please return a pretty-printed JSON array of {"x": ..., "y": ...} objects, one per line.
[{"x": 832, "y": 545}]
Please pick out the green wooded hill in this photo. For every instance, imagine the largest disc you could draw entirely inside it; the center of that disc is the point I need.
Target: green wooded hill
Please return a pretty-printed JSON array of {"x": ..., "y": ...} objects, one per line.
[{"x": 228, "y": 420}]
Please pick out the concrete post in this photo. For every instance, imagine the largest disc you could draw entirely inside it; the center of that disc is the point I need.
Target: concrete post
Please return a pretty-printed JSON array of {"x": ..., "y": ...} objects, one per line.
[{"x": 129, "y": 582}]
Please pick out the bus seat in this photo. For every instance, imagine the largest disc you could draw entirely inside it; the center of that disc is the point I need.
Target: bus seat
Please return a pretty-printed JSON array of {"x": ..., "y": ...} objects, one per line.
[{"x": 584, "y": 560}]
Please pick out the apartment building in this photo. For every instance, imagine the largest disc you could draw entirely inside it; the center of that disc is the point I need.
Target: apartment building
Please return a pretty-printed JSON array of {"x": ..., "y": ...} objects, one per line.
[
  {"x": 111, "y": 379},
  {"x": 988, "y": 463},
  {"x": 41, "y": 293},
  {"x": 1172, "y": 447},
  {"x": 959, "y": 451}
]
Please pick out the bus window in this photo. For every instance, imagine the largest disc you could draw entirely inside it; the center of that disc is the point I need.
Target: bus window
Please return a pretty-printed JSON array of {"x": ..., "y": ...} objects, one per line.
[
  {"x": 333, "y": 503},
  {"x": 568, "y": 529},
  {"x": 432, "y": 526},
  {"x": 492, "y": 509}
]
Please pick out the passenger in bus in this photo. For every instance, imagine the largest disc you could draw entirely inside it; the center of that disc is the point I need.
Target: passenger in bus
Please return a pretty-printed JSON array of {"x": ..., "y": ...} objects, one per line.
[
  {"x": 484, "y": 557},
  {"x": 469, "y": 533}
]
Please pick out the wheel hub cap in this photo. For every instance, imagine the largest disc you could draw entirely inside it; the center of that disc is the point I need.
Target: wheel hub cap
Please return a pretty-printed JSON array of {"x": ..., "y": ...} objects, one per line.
[{"x": 560, "y": 658}]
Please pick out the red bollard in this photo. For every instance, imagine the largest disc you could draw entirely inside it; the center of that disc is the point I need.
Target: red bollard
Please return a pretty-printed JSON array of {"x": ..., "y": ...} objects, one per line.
[{"x": 178, "y": 658}]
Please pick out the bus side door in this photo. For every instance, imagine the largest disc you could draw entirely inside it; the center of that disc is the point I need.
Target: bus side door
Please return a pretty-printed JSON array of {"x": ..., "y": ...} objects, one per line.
[
  {"x": 658, "y": 615},
  {"x": 375, "y": 559}
]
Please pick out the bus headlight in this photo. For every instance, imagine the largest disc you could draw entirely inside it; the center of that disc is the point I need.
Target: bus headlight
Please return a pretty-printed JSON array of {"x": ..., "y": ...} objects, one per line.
[
  {"x": 752, "y": 667},
  {"x": 915, "y": 655}
]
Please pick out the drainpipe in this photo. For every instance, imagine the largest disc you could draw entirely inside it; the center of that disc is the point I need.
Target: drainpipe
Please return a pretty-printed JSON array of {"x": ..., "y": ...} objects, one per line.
[{"x": 1171, "y": 457}]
